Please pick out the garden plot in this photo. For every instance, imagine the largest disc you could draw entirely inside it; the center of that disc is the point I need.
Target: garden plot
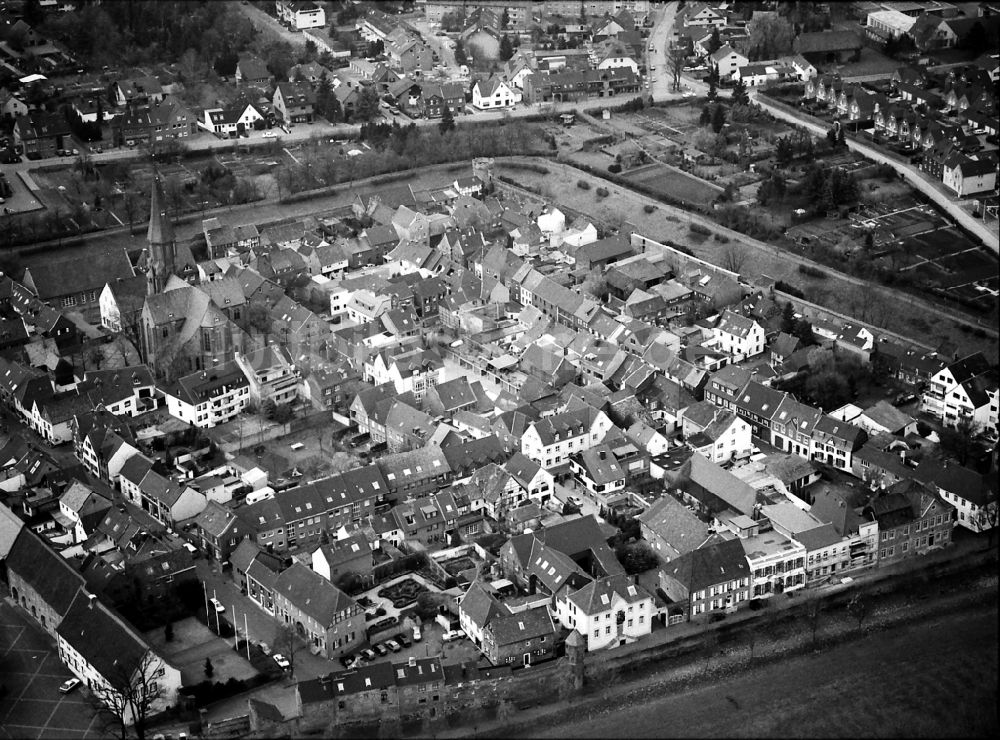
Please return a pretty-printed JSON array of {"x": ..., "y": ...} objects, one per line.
[{"x": 674, "y": 184}]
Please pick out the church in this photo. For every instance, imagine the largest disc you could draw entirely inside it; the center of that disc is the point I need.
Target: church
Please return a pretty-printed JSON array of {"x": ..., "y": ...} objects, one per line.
[{"x": 185, "y": 328}]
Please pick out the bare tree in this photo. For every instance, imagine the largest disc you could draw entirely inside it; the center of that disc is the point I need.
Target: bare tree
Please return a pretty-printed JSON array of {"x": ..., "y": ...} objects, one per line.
[
  {"x": 676, "y": 56},
  {"x": 286, "y": 643},
  {"x": 129, "y": 693},
  {"x": 733, "y": 258},
  {"x": 857, "y": 607},
  {"x": 814, "y": 613},
  {"x": 131, "y": 206}
]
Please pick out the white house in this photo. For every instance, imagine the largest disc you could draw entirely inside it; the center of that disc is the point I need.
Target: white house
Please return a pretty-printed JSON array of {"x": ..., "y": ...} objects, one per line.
[
  {"x": 412, "y": 371},
  {"x": 738, "y": 335},
  {"x": 551, "y": 440},
  {"x": 966, "y": 176},
  {"x": 230, "y": 121},
  {"x": 609, "y": 611},
  {"x": 534, "y": 480},
  {"x": 301, "y": 14},
  {"x": 726, "y": 60},
  {"x": 756, "y": 75},
  {"x": 104, "y": 652},
  {"x": 777, "y": 564},
  {"x": 209, "y": 397},
  {"x": 494, "y": 93},
  {"x": 701, "y": 14},
  {"x": 77, "y": 503},
  {"x": 717, "y": 434},
  {"x": 163, "y": 499},
  {"x": 801, "y": 66},
  {"x": 271, "y": 376},
  {"x": 552, "y": 221},
  {"x": 362, "y": 306},
  {"x": 965, "y": 389},
  {"x": 126, "y": 391}
]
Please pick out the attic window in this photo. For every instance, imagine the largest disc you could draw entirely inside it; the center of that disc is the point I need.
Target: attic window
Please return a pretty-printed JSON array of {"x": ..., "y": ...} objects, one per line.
[
  {"x": 340, "y": 687},
  {"x": 631, "y": 591},
  {"x": 605, "y": 600}
]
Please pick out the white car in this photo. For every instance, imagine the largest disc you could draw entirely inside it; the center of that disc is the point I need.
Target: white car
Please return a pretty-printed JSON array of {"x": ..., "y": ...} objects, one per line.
[
  {"x": 453, "y": 635},
  {"x": 282, "y": 661},
  {"x": 68, "y": 686},
  {"x": 217, "y": 605},
  {"x": 269, "y": 134}
]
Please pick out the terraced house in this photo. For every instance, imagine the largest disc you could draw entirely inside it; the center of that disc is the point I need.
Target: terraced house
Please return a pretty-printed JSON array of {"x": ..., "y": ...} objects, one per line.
[{"x": 328, "y": 619}]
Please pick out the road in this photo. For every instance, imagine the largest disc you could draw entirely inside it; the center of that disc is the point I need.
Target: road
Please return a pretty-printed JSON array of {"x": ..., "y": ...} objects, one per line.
[
  {"x": 927, "y": 679},
  {"x": 269, "y": 24},
  {"x": 916, "y": 178}
]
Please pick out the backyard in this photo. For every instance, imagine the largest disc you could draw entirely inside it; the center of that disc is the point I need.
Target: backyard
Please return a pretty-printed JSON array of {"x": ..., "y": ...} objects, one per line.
[{"x": 403, "y": 593}]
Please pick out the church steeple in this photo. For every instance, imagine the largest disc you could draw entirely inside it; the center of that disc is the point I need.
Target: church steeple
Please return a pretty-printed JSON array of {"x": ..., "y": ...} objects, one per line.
[{"x": 161, "y": 244}]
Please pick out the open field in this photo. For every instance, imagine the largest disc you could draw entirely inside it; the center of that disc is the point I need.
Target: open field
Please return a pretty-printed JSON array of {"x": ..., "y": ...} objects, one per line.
[
  {"x": 673, "y": 184},
  {"x": 193, "y": 642},
  {"x": 933, "y": 679}
]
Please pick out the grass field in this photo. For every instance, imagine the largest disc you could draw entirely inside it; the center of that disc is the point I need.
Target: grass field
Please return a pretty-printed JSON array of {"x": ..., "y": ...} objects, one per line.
[
  {"x": 673, "y": 184},
  {"x": 931, "y": 679}
]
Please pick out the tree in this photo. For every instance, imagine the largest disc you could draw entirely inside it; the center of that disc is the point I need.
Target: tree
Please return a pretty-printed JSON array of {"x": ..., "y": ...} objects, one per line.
[
  {"x": 706, "y": 116},
  {"x": 715, "y": 42},
  {"x": 814, "y": 613},
  {"x": 959, "y": 442},
  {"x": 712, "y": 92},
  {"x": 209, "y": 668},
  {"x": 128, "y": 694},
  {"x": 327, "y": 104},
  {"x": 976, "y": 40},
  {"x": 595, "y": 285},
  {"x": 460, "y": 55},
  {"x": 447, "y": 122},
  {"x": 168, "y": 631},
  {"x": 505, "y": 19},
  {"x": 506, "y": 48},
  {"x": 769, "y": 36},
  {"x": 676, "y": 56},
  {"x": 286, "y": 643},
  {"x": 857, "y": 607},
  {"x": 367, "y": 106},
  {"x": 718, "y": 118},
  {"x": 740, "y": 95},
  {"x": 733, "y": 258}
]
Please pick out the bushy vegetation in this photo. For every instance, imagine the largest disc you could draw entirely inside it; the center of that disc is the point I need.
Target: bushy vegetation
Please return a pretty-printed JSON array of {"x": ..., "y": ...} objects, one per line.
[{"x": 583, "y": 184}]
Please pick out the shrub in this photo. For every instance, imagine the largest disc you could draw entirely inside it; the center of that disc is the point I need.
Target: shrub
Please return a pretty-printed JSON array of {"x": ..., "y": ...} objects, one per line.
[
  {"x": 790, "y": 289},
  {"x": 583, "y": 184},
  {"x": 813, "y": 272},
  {"x": 649, "y": 208},
  {"x": 614, "y": 168},
  {"x": 722, "y": 238},
  {"x": 602, "y": 193},
  {"x": 699, "y": 229}
]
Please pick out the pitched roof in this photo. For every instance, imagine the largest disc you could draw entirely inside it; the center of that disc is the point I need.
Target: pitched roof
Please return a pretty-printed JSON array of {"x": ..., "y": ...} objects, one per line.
[
  {"x": 480, "y": 605},
  {"x": 524, "y": 625},
  {"x": 675, "y": 524},
  {"x": 53, "y": 278},
  {"x": 103, "y": 639},
  {"x": 597, "y": 596},
  {"x": 718, "y": 562},
  {"x": 45, "y": 570},
  {"x": 312, "y": 594}
]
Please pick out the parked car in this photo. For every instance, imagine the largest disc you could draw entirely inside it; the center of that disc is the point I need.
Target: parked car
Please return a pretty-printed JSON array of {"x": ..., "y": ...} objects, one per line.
[
  {"x": 452, "y": 635},
  {"x": 68, "y": 686},
  {"x": 416, "y": 634},
  {"x": 393, "y": 646},
  {"x": 368, "y": 654},
  {"x": 381, "y": 649},
  {"x": 282, "y": 661},
  {"x": 269, "y": 134},
  {"x": 403, "y": 640},
  {"x": 219, "y": 608},
  {"x": 265, "y": 648},
  {"x": 905, "y": 398}
]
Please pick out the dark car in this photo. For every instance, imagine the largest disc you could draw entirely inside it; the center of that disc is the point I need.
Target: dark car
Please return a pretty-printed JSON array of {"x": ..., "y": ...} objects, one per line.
[
  {"x": 381, "y": 649},
  {"x": 403, "y": 639}
]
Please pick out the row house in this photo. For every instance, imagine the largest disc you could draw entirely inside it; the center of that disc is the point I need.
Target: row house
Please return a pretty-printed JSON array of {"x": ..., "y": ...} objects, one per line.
[
  {"x": 967, "y": 176},
  {"x": 163, "y": 499},
  {"x": 967, "y": 389},
  {"x": 738, "y": 335},
  {"x": 328, "y": 619},
  {"x": 570, "y": 85},
  {"x": 777, "y": 564},
  {"x": 551, "y": 440},
  {"x": 151, "y": 125},
  {"x": 300, "y": 515},
  {"x": 912, "y": 520},
  {"x": 412, "y": 371},
  {"x": 710, "y": 579}
]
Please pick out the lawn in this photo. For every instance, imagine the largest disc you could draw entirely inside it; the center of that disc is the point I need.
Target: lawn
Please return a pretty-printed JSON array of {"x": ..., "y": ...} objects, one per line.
[{"x": 673, "y": 184}]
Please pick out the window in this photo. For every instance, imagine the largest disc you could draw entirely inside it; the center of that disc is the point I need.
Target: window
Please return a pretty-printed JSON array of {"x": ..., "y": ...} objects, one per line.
[{"x": 607, "y": 630}]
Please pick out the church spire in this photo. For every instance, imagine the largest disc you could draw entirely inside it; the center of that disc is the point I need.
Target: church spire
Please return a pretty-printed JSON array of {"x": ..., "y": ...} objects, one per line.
[{"x": 160, "y": 242}]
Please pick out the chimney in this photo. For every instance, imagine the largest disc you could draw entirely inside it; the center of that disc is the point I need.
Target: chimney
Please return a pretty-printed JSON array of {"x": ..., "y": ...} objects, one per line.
[{"x": 412, "y": 662}]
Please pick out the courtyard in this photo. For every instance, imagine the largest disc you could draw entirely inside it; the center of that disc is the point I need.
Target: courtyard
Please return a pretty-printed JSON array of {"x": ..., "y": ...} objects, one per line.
[{"x": 193, "y": 643}]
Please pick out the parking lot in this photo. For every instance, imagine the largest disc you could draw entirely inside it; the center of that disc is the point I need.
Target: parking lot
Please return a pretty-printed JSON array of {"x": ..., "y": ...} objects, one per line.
[{"x": 31, "y": 672}]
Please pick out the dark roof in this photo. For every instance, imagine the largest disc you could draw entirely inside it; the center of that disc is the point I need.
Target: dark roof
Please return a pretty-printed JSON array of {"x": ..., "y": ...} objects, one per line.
[
  {"x": 104, "y": 640},
  {"x": 822, "y": 42},
  {"x": 45, "y": 570},
  {"x": 312, "y": 593},
  {"x": 54, "y": 278},
  {"x": 716, "y": 563},
  {"x": 524, "y": 625}
]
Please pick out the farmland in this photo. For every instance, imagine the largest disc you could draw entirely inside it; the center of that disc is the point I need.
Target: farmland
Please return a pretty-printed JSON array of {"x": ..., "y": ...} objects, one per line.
[{"x": 674, "y": 184}]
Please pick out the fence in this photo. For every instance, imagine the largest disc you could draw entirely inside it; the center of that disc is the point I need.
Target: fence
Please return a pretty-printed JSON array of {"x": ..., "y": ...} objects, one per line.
[{"x": 234, "y": 727}]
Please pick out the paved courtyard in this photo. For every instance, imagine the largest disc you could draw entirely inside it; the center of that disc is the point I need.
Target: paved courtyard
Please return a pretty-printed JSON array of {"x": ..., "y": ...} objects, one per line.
[
  {"x": 32, "y": 706},
  {"x": 193, "y": 642}
]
